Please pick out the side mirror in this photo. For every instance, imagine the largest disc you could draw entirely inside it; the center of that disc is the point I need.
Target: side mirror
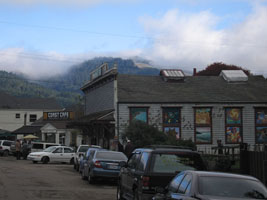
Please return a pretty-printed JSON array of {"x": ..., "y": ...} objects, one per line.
[{"x": 123, "y": 164}]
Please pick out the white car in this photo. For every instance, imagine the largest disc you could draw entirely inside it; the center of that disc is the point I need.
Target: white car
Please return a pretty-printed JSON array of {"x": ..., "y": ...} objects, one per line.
[{"x": 61, "y": 154}]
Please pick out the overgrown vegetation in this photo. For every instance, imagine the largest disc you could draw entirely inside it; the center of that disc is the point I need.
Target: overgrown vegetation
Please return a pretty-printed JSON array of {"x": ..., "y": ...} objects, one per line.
[{"x": 142, "y": 134}]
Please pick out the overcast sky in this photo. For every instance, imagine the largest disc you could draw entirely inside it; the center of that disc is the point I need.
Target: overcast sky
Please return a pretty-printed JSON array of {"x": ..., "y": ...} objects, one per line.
[{"x": 46, "y": 37}]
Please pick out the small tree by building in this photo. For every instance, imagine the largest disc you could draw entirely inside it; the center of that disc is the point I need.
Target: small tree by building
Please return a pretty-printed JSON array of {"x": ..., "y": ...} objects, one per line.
[{"x": 142, "y": 134}]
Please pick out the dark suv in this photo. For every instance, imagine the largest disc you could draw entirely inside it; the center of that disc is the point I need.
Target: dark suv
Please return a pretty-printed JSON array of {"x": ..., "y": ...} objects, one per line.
[{"x": 148, "y": 168}]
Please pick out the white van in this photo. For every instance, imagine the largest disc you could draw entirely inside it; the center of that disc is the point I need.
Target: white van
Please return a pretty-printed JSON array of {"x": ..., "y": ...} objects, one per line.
[{"x": 40, "y": 146}]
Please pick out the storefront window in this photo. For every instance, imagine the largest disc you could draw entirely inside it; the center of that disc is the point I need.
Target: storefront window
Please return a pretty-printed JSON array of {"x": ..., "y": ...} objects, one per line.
[
  {"x": 261, "y": 125},
  {"x": 233, "y": 125},
  {"x": 203, "y": 126}
]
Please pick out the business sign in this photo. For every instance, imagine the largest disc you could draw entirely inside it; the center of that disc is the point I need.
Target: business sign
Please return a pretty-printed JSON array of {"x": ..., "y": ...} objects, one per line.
[{"x": 63, "y": 115}]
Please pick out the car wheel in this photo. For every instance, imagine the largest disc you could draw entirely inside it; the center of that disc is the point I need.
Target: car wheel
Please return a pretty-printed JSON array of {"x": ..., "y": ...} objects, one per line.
[
  {"x": 91, "y": 180},
  {"x": 83, "y": 176},
  {"x": 45, "y": 160},
  {"x": 72, "y": 161},
  {"x": 135, "y": 195},
  {"x": 5, "y": 153},
  {"x": 119, "y": 192}
]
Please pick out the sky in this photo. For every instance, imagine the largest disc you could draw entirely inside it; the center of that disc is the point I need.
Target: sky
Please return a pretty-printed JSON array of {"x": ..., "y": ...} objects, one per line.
[{"x": 42, "y": 38}]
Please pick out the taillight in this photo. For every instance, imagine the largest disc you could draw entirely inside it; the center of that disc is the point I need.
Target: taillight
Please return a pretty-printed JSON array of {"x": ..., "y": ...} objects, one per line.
[
  {"x": 145, "y": 181},
  {"x": 98, "y": 164}
]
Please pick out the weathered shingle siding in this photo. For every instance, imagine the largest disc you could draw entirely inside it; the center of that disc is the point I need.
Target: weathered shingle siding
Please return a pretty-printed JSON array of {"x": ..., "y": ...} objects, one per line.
[
  {"x": 99, "y": 99},
  {"x": 187, "y": 119}
]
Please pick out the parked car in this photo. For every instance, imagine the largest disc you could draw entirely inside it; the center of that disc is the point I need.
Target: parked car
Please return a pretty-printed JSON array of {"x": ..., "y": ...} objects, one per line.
[
  {"x": 5, "y": 147},
  {"x": 193, "y": 185},
  {"x": 61, "y": 154},
  {"x": 104, "y": 165},
  {"x": 154, "y": 166},
  {"x": 40, "y": 146},
  {"x": 86, "y": 159},
  {"x": 81, "y": 150}
]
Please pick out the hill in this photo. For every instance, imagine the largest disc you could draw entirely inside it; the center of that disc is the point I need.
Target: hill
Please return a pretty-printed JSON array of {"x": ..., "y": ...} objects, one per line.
[{"x": 66, "y": 88}]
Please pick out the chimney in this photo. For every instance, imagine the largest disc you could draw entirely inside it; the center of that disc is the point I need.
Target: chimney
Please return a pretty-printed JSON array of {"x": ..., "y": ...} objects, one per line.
[{"x": 194, "y": 72}]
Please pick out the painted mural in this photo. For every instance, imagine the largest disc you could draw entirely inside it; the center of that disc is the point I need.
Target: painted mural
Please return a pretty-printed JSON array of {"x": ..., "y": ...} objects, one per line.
[
  {"x": 233, "y": 115},
  {"x": 173, "y": 131},
  {"x": 203, "y": 134},
  {"x": 203, "y": 116},
  {"x": 261, "y": 134},
  {"x": 233, "y": 135},
  {"x": 261, "y": 116},
  {"x": 171, "y": 115},
  {"x": 139, "y": 114}
]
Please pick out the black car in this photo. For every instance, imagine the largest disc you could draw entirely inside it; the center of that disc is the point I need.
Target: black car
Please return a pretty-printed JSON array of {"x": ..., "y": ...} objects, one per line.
[
  {"x": 199, "y": 185},
  {"x": 148, "y": 168}
]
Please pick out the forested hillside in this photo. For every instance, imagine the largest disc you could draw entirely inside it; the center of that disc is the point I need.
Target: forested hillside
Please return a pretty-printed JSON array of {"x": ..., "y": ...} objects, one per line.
[
  {"x": 79, "y": 74},
  {"x": 66, "y": 88}
]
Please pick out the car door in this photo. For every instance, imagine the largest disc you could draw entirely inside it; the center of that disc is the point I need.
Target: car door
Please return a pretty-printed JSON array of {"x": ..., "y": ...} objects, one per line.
[
  {"x": 68, "y": 153},
  {"x": 88, "y": 161},
  {"x": 128, "y": 177},
  {"x": 183, "y": 190},
  {"x": 57, "y": 155}
]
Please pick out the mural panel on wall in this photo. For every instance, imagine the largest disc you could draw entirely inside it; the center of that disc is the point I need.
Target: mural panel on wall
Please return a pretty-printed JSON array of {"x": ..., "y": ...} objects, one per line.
[
  {"x": 261, "y": 116},
  {"x": 203, "y": 116},
  {"x": 233, "y": 135},
  {"x": 171, "y": 115},
  {"x": 139, "y": 114},
  {"x": 233, "y": 115},
  {"x": 203, "y": 134},
  {"x": 261, "y": 134},
  {"x": 172, "y": 131}
]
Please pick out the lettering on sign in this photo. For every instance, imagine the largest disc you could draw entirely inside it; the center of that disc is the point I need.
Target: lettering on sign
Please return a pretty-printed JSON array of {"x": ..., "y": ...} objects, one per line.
[{"x": 57, "y": 115}]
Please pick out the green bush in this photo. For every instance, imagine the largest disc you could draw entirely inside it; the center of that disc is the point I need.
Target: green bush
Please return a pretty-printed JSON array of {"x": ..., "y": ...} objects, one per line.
[{"x": 141, "y": 134}]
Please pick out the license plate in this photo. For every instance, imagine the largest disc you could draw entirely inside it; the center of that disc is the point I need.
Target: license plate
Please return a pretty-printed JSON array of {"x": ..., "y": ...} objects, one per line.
[{"x": 113, "y": 167}]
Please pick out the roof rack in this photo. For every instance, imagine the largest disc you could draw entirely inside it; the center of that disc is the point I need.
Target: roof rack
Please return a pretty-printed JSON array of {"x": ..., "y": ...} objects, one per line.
[{"x": 170, "y": 146}]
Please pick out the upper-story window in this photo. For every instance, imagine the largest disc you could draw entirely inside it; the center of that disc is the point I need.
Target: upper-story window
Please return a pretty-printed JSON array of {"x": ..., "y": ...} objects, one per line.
[
  {"x": 261, "y": 125},
  {"x": 233, "y": 125},
  {"x": 172, "y": 121},
  {"x": 139, "y": 113},
  {"x": 17, "y": 115},
  {"x": 33, "y": 118},
  {"x": 203, "y": 125}
]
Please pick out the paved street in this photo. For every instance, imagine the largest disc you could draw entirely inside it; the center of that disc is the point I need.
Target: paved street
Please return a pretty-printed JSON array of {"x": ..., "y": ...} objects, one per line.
[{"x": 23, "y": 180}]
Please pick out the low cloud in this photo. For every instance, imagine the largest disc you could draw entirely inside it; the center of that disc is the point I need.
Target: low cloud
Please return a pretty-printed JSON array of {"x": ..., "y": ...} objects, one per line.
[{"x": 188, "y": 41}]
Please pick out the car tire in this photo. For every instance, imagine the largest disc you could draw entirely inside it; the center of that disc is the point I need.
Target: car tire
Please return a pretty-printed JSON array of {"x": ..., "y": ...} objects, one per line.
[
  {"x": 45, "y": 160},
  {"x": 135, "y": 195},
  {"x": 6, "y": 152},
  {"x": 83, "y": 176},
  {"x": 119, "y": 192},
  {"x": 71, "y": 161},
  {"x": 91, "y": 180}
]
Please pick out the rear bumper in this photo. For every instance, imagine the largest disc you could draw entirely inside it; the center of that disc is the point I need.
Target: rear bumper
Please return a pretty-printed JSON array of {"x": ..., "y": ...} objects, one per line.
[{"x": 102, "y": 173}]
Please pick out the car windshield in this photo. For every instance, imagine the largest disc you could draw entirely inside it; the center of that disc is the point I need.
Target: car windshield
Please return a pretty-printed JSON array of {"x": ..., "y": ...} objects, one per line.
[
  {"x": 231, "y": 187},
  {"x": 111, "y": 155},
  {"x": 50, "y": 149},
  {"x": 83, "y": 148},
  {"x": 174, "y": 162}
]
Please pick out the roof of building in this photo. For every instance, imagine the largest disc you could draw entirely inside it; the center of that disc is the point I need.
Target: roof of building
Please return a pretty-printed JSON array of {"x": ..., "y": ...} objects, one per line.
[
  {"x": 194, "y": 89},
  {"x": 11, "y": 102},
  {"x": 27, "y": 130}
]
